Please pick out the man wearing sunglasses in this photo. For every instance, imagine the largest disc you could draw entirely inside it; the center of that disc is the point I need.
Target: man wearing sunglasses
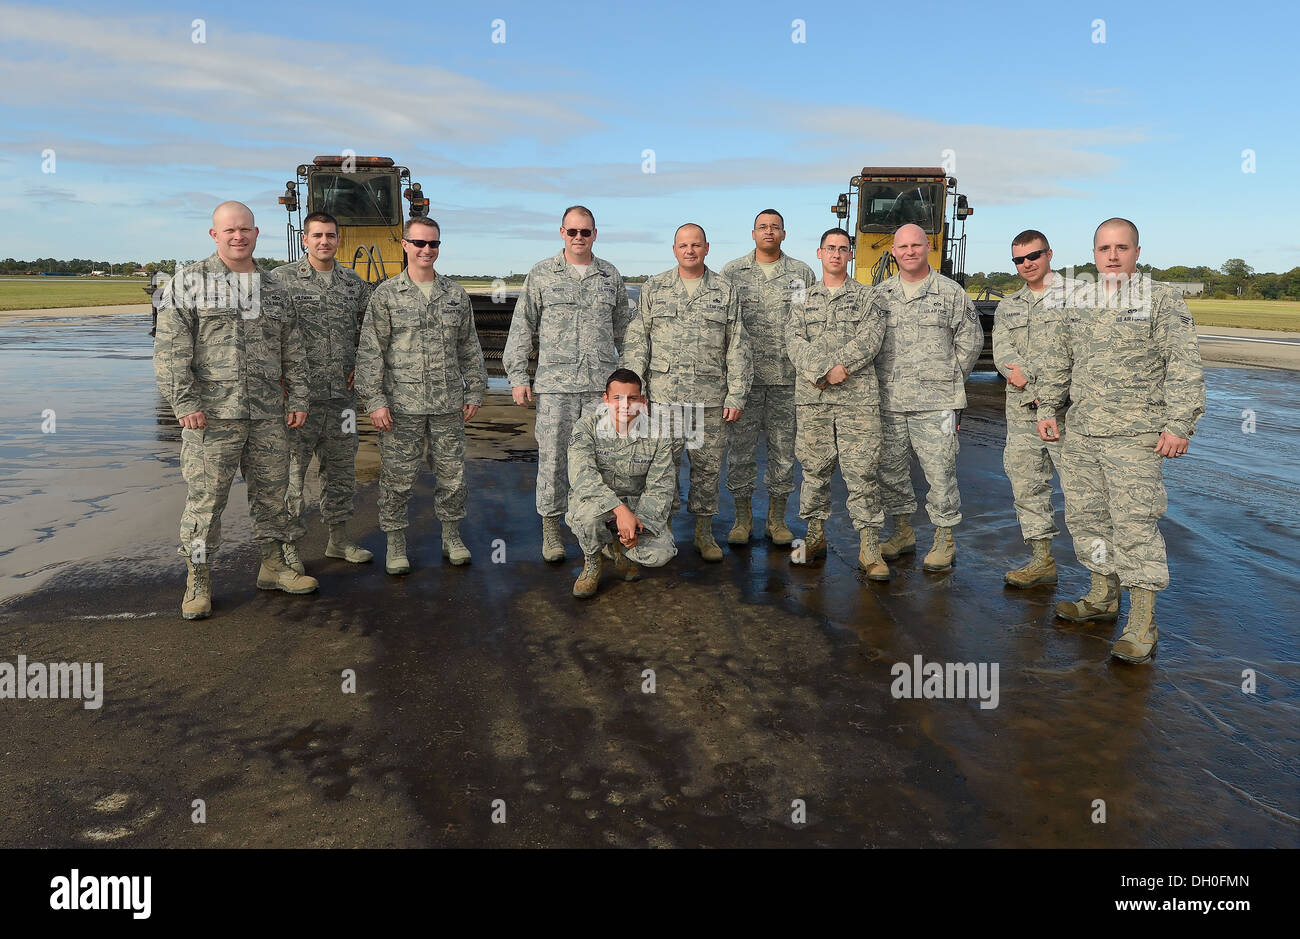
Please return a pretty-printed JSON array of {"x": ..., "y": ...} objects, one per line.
[
  {"x": 768, "y": 281},
  {"x": 421, "y": 377},
  {"x": 689, "y": 341},
  {"x": 1126, "y": 354},
  {"x": 1022, "y": 325},
  {"x": 932, "y": 341},
  {"x": 574, "y": 310}
]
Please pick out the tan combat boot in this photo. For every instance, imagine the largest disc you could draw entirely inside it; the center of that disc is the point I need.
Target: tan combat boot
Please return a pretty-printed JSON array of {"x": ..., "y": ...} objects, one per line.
[
  {"x": 274, "y": 574},
  {"x": 292, "y": 559},
  {"x": 777, "y": 529},
  {"x": 1041, "y": 568},
  {"x": 704, "y": 542},
  {"x": 942, "y": 552},
  {"x": 814, "y": 544},
  {"x": 198, "y": 592},
  {"x": 869, "y": 558},
  {"x": 396, "y": 562},
  {"x": 624, "y": 566},
  {"x": 552, "y": 539},
  {"x": 1137, "y": 644},
  {"x": 744, "y": 527},
  {"x": 902, "y": 541},
  {"x": 341, "y": 546},
  {"x": 1101, "y": 603},
  {"x": 452, "y": 547},
  {"x": 589, "y": 579}
]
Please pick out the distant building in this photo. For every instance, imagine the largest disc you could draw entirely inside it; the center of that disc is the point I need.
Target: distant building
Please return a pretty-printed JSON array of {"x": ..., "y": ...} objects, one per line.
[
  {"x": 97, "y": 274},
  {"x": 1187, "y": 288}
]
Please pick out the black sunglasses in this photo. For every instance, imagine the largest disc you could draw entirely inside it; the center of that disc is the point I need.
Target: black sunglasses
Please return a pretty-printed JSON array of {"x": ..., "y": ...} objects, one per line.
[
  {"x": 420, "y": 242},
  {"x": 575, "y": 232},
  {"x": 1031, "y": 256}
]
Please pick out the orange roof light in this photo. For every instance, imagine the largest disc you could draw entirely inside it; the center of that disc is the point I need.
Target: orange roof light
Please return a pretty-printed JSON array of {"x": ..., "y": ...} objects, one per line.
[{"x": 357, "y": 161}]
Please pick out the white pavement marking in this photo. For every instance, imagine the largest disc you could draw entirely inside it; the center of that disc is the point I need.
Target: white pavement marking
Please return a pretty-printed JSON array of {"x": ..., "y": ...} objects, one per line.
[{"x": 1276, "y": 342}]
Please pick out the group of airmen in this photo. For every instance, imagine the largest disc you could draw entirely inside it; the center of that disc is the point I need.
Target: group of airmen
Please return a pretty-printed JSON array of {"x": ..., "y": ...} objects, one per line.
[{"x": 270, "y": 369}]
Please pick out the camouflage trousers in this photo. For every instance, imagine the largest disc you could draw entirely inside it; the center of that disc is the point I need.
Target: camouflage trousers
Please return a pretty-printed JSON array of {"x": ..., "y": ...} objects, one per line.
[
  {"x": 705, "y": 445},
  {"x": 769, "y": 411},
  {"x": 402, "y": 450},
  {"x": 932, "y": 436},
  {"x": 259, "y": 449},
  {"x": 1028, "y": 460},
  {"x": 652, "y": 550},
  {"x": 557, "y": 412},
  {"x": 850, "y": 436},
  {"x": 336, "y": 454},
  {"x": 1114, "y": 498}
]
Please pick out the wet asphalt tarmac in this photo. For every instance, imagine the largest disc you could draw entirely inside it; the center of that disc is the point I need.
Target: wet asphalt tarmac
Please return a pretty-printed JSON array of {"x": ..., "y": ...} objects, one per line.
[{"x": 772, "y": 682}]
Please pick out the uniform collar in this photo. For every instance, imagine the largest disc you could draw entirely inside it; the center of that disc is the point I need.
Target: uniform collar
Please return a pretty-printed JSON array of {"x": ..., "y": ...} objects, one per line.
[
  {"x": 708, "y": 281},
  {"x": 404, "y": 282},
  {"x": 850, "y": 285},
  {"x": 895, "y": 285},
  {"x": 751, "y": 260},
  {"x": 1056, "y": 286},
  {"x": 305, "y": 270},
  {"x": 216, "y": 259},
  {"x": 560, "y": 264}
]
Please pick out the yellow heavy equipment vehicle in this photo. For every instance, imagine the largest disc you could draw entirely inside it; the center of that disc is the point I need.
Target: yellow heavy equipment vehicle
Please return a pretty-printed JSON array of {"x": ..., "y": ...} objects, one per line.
[
  {"x": 365, "y": 194},
  {"x": 888, "y": 197}
]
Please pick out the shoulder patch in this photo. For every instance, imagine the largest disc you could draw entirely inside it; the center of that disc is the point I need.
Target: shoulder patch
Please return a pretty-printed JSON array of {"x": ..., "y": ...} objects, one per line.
[{"x": 1186, "y": 320}]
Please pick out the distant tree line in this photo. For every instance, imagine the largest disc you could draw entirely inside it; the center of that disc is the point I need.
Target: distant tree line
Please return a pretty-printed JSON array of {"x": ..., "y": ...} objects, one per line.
[
  {"x": 85, "y": 266},
  {"x": 1234, "y": 279}
]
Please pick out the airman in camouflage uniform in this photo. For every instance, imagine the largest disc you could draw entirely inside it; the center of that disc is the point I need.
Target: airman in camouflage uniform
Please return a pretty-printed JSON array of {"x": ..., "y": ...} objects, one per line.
[
  {"x": 1022, "y": 324},
  {"x": 833, "y": 336},
  {"x": 931, "y": 344},
  {"x": 227, "y": 352},
  {"x": 329, "y": 301},
  {"x": 421, "y": 377},
  {"x": 689, "y": 341},
  {"x": 1126, "y": 354},
  {"x": 574, "y": 310},
  {"x": 768, "y": 281},
  {"x": 622, "y": 482}
]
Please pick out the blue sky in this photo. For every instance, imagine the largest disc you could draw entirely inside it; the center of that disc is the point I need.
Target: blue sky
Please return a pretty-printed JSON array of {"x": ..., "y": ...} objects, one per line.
[{"x": 1049, "y": 129}]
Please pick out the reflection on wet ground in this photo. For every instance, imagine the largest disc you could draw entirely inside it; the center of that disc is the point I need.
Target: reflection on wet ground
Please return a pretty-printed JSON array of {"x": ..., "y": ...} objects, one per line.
[{"x": 771, "y": 684}]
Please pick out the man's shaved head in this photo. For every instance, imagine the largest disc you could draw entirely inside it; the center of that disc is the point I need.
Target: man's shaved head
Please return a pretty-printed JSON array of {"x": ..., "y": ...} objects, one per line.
[
  {"x": 697, "y": 227},
  {"x": 909, "y": 230},
  {"x": 230, "y": 205},
  {"x": 1132, "y": 229}
]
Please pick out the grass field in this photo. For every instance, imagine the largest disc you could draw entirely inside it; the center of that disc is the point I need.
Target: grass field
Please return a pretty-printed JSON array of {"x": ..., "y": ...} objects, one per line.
[
  {"x": 1248, "y": 314},
  {"x": 1245, "y": 314},
  {"x": 43, "y": 293}
]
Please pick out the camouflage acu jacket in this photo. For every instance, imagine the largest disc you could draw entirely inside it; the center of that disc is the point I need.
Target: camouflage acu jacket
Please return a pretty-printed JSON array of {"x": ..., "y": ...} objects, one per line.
[
  {"x": 225, "y": 342},
  {"x": 419, "y": 356},
  {"x": 690, "y": 349}
]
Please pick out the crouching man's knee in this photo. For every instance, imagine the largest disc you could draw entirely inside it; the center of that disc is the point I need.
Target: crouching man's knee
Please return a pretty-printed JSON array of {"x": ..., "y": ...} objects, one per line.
[{"x": 653, "y": 555}]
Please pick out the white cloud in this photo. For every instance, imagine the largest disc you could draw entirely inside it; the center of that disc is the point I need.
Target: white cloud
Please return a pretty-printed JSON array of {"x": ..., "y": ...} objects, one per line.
[{"x": 242, "y": 85}]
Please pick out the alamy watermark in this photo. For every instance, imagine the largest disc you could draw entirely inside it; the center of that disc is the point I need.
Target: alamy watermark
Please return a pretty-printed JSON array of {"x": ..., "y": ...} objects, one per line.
[
  {"x": 674, "y": 421},
  {"x": 83, "y": 680},
  {"x": 232, "y": 292},
  {"x": 1132, "y": 293},
  {"x": 921, "y": 679}
]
